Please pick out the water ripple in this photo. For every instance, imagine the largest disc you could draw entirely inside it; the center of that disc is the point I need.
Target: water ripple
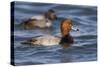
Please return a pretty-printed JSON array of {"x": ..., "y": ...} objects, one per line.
[{"x": 84, "y": 47}]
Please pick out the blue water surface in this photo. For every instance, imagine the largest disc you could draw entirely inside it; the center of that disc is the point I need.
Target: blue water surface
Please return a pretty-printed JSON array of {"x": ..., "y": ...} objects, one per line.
[{"x": 83, "y": 49}]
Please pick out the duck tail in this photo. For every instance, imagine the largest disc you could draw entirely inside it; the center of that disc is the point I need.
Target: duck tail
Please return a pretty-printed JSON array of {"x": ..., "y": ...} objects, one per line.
[
  {"x": 24, "y": 23},
  {"x": 32, "y": 41},
  {"x": 26, "y": 42}
]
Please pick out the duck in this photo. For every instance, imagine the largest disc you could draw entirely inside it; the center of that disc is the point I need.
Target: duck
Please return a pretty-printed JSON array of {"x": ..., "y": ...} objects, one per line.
[
  {"x": 49, "y": 40},
  {"x": 40, "y": 21}
]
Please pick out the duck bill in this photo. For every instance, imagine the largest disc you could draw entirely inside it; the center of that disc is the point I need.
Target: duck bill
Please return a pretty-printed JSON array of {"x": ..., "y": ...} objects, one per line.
[{"x": 75, "y": 29}]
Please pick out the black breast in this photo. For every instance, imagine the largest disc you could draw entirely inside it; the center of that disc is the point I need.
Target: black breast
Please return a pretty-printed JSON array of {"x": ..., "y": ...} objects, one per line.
[{"x": 67, "y": 39}]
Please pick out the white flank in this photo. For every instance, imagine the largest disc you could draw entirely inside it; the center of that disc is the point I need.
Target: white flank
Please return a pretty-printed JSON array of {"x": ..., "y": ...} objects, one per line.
[{"x": 47, "y": 40}]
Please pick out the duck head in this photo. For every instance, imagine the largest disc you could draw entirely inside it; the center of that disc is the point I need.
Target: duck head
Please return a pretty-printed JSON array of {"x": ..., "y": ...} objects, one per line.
[
  {"x": 50, "y": 15},
  {"x": 66, "y": 26}
]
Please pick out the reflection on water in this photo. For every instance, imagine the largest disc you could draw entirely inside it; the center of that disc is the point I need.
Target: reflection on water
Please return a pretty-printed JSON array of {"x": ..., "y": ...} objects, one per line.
[{"x": 83, "y": 49}]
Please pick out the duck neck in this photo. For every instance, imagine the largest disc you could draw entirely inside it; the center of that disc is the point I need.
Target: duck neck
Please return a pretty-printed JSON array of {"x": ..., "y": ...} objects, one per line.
[
  {"x": 65, "y": 35},
  {"x": 48, "y": 17}
]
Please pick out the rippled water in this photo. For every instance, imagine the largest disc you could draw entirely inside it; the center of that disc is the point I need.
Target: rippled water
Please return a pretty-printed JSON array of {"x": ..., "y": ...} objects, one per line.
[{"x": 83, "y": 49}]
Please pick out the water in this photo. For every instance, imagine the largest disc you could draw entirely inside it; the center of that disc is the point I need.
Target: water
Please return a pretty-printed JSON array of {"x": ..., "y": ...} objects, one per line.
[{"x": 83, "y": 49}]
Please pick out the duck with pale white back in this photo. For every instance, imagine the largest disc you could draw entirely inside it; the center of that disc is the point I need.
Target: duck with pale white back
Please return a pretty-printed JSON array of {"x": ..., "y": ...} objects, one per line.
[
  {"x": 41, "y": 21},
  {"x": 49, "y": 40}
]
